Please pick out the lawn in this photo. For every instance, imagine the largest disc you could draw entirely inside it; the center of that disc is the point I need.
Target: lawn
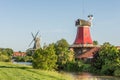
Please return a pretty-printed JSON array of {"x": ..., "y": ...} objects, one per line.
[{"x": 9, "y": 71}]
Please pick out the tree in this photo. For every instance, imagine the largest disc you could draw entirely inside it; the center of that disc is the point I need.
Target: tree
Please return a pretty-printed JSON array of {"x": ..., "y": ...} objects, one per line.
[
  {"x": 60, "y": 46},
  {"x": 95, "y": 42},
  {"x": 63, "y": 53},
  {"x": 29, "y": 52},
  {"x": 5, "y": 54},
  {"x": 45, "y": 58},
  {"x": 107, "y": 59}
]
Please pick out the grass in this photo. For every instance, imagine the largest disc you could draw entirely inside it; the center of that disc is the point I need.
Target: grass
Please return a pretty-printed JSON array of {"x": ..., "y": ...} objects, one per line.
[{"x": 9, "y": 71}]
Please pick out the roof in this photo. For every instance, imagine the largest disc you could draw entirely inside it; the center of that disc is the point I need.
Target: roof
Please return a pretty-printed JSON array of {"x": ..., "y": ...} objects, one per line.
[
  {"x": 15, "y": 54},
  {"x": 82, "y": 22},
  {"x": 89, "y": 54}
]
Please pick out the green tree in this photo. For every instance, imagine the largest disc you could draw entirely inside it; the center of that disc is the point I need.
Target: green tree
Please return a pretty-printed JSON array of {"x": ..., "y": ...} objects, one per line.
[
  {"x": 63, "y": 53},
  {"x": 95, "y": 42},
  {"x": 45, "y": 58},
  {"x": 4, "y": 58},
  {"x": 108, "y": 59},
  {"x": 29, "y": 52},
  {"x": 61, "y": 45},
  {"x": 5, "y": 54}
]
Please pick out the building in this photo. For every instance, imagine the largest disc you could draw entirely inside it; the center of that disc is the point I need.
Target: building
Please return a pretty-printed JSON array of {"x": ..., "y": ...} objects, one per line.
[
  {"x": 83, "y": 44},
  {"x": 19, "y": 54}
]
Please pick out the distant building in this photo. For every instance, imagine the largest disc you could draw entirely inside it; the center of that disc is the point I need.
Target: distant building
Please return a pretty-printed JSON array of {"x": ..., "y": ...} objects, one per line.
[{"x": 19, "y": 54}]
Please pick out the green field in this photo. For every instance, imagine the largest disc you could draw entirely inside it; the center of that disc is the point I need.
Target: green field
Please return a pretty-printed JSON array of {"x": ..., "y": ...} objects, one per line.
[{"x": 9, "y": 71}]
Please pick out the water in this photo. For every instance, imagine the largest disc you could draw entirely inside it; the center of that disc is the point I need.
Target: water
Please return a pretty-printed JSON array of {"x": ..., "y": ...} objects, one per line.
[
  {"x": 23, "y": 63},
  {"x": 88, "y": 76}
]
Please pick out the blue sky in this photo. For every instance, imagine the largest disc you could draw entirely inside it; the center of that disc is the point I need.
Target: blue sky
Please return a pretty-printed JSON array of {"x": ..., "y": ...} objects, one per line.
[{"x": 55, "y": 19}]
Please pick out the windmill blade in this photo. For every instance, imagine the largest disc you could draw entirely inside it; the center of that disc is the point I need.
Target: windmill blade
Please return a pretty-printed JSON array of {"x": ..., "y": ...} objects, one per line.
[
  {"x": 33, "y": 36},
  {"x": 31, "y": 42},
  {"x": 36, "y": 34}
]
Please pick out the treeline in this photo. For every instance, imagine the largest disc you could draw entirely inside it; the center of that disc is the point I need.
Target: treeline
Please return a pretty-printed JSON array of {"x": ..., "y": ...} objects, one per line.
[{"x": 6, "y": 54}]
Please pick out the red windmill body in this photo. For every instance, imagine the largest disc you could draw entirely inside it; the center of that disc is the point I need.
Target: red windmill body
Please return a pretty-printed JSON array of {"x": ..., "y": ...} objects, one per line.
[{"x": 83, "y": 36}]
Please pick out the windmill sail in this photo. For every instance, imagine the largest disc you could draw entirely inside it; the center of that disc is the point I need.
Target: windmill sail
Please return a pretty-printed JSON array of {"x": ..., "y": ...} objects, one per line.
[{"x": 36, "y": 41}]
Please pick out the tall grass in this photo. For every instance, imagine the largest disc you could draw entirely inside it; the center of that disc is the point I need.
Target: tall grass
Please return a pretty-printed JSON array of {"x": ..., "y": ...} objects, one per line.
[{"x": 9, "y": 71}]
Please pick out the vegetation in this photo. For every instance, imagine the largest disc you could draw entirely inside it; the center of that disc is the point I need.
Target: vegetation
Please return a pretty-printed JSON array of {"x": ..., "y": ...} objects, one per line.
[
  {"x": 23, "y": 58},
  {"x": 63, "y": 53},
  {"x": 9, "y": 71},
  {"x": 29, "y": 52},
  {"x": 95, "y": 42},
  {"x": 26, "y": 58},
  {"x": 107, "y": 60},
  {"x": 77, "y": 66},
  {"x": 5, "y": 54},
  {"x": 53, "y": 56},
  {"x": 45, "y": 58}
]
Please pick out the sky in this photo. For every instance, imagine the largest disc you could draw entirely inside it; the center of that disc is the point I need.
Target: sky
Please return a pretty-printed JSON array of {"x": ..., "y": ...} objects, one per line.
[{"x": 55, "y": 19}]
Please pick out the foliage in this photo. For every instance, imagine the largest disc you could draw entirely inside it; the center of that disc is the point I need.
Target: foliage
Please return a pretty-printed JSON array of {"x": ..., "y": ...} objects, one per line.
[
  {"x": 45, "y": 58},
  {"x": 107, "y": 59},
  {"x": 6, "y": 51},
  {"x": 117, "y": 72},
  {"x": 5, "y": 54},
  {"x": 9, "y": 71},
  {"x": 86, "y": 67},
  {"x": 19, "y": 59},
  {"x": 23, "y": 59},
  {"x": 61, "y": 44},
  {"x": 77, "y": 66},
  {"x": 95, "y": 42},
  {"x": 69, "y": 66},
  {"x": 29, "y": 52},
  {"x": 4, "y": 58},
  {"x": 63, "y": 53}
]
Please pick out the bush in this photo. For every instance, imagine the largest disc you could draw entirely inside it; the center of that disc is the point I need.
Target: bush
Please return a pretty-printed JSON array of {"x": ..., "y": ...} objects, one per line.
[
  {"x": 23, "y": 59},
  {"x": 117, "y": 72},
  {"x": 70, "y": 66},
  {"x": 4, "y": 58},
  {"x": 45, "y": 58},
  {"x": 19, "y": 59},
  {"x": 86, "y": 67},
  {"x": 77, "y": 66},
  {"x": 107, "y": 70},
  {"x": 107, "y": 59}
]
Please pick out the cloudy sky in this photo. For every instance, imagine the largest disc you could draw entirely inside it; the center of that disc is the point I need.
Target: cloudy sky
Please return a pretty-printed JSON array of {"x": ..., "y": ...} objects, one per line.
[{"x": 55, "y": 19}]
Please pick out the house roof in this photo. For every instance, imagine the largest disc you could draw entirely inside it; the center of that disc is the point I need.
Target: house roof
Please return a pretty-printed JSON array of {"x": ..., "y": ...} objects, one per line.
[
  {"x": 15, "y": 54},
  {"x": 89, "y": 54}
]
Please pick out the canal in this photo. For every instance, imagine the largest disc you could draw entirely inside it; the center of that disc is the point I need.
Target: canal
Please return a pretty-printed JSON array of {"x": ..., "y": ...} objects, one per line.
[
  {"x": 88, "y": 76},
  {"x": 23, "y": 63}
]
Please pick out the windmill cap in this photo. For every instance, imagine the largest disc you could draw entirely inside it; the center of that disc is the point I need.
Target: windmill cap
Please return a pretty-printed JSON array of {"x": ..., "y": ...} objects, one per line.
[{"x": 82, "y": 22}]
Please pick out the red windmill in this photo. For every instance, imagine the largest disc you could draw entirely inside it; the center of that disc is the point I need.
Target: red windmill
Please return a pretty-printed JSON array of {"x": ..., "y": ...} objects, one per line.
[
  {"x": 83, "y": 37},
  {"x": 83, "y": 42}
]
